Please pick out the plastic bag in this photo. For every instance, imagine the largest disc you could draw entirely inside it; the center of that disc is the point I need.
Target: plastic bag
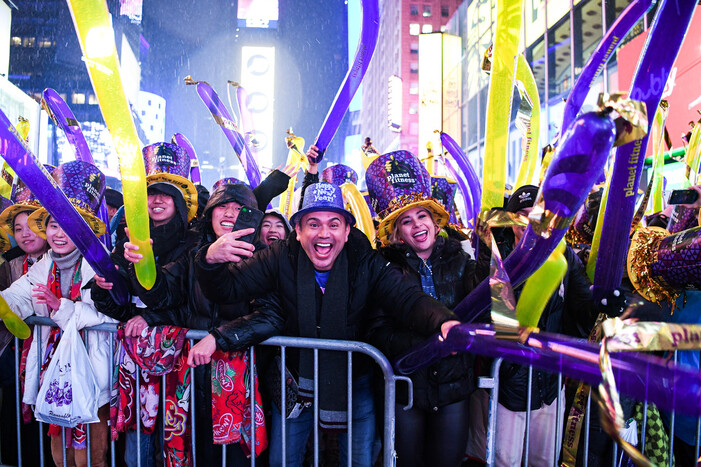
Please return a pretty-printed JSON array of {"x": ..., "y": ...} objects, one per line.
[{"x": 69, "y": 394}]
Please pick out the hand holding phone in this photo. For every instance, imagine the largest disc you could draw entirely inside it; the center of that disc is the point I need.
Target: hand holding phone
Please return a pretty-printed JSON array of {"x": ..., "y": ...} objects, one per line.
[{"x": 248, "y": 218}]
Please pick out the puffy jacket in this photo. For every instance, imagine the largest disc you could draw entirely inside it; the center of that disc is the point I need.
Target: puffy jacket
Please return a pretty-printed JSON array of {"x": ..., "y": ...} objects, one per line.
[
  {"x": 454, "y": 276},
  {"x": 371, "y": 280},
  {"x": 19, "y": 298},
  {"x": 570, "y": 311}
]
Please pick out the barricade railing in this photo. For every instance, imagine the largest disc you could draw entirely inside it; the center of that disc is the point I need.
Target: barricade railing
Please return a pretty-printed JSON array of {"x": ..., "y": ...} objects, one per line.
[
  {"x": 491, "y": 384},
  {"x": 350, "y": 347}
]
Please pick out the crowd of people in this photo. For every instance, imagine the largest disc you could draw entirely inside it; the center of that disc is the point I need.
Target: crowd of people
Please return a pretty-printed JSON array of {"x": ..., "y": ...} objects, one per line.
[{"x": 313, "y": 275}]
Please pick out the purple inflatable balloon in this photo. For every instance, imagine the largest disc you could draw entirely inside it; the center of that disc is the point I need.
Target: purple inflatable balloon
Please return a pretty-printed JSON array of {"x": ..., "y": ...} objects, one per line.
[
  {"x": 576, "y": 164},
  {"x": 608, "y": 45},
  {"x": 468, "y": 171},
  {"x": 185, "y": 143},
  {"x": 32, "y": 172},
  {"x": 224, "y": 120},
  {"x": 644, "y": 377},
  {"x": 62, "y": 116},
  {"x": 661, "y": 48},
  {"x": 466, "y": 193},
  {"x": 350, "y": 84}
]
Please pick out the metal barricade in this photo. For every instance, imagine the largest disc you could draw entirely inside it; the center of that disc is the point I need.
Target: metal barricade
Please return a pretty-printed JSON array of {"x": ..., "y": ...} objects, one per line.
[
  {"x": 349, "y": 347},
  {"x": 492, "y": 384}
]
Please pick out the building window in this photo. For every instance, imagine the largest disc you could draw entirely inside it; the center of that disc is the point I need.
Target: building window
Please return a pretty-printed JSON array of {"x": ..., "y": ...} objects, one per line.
[
  {"x": 45, "y": 43},
  {"x": 427, "y": 11},
  {"x": 29, "y": 41},
  {"x": 414, "y": 47},
  {"x": 414, "y": 9},
  {"x": 413, "y": 108},
  {"x": 443, "y": 28},
  {"x": 16, "y": 41},
  {"x": 92, "y": 99},
  {"x": 413, "y": 128},
  {"x": 414, "y": 29},
  {"x": 78, "y": 98},
  {"x": 414, "y": 67},
  {"x": 414, "y": 88},
  {"x": 445, "y": 11},
  {"x": 427, "y": 28}
]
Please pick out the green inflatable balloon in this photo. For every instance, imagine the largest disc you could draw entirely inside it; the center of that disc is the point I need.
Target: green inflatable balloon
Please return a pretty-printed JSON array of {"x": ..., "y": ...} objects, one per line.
[
  {"x": 540, "y": 286},
  {"x": 13, "y": 322}
]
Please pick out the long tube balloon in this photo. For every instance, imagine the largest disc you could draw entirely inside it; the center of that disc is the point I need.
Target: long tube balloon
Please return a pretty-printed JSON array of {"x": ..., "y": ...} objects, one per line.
[
  {"x": 96, "y": 37},
  {"x": 466, "y": 194},
  {"x": 222, "y": 117},
  {"x": 350, "y": 84},
  {"x": 12, "y": 322},
  {"x": 657, "y": 204},
  {"x": 661, "y": 48},
  {"x": 597, "y": 60},
  {"x": 644, "y": 377},
  {"x": 360, "y": 210},
  {"x": 185, "y": 143},
  {"x": 526, "y": 172},
  {"x": 62, "y": 116},
  {"x": 44, "y": 187},
  {"x": 501, "y": 88},
  {"x": 468, "y": 171},
  {"x": 578, "y": 161}
]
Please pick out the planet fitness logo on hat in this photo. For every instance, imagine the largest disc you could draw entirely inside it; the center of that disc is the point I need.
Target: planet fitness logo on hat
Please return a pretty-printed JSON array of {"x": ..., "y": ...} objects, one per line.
[
  {"x": 165, "y": 156},
  {"x": 400, "y": 174},
  {"x": 91, "y": 186}
]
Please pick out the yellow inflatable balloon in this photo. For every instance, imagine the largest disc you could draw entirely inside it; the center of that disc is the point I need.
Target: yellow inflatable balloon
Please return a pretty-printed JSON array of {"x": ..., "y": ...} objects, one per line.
[
  {"x": 13, "y": 322},
  {"x": 501, "y": 88},
  {"x": 360, "y": 210},
  {"x": 297, "y": 160},
  {"x": 96, "y": 36},
  {"x": 596, "y": 239},
  {"x": 524, "y": 75},
  {"x": 657, "y": 204},
  {"x": 540, "y": 287}
]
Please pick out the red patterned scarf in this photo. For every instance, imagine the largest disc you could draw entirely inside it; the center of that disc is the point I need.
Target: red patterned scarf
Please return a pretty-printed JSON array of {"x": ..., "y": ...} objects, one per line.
[
  {"x": 26, "y": 345},
  {"x": 75, "y": 437},
  {"x": 162, "y": 351},
  {"x": 231, "y": 409}
]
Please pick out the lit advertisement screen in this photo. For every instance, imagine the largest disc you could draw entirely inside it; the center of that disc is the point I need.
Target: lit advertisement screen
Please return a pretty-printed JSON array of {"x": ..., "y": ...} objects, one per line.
[{"x": 257, "y": 14}]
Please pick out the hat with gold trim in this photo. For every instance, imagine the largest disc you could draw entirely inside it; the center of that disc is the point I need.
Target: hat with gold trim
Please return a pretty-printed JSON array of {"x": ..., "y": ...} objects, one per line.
[
  {"x": 24, "y": 201},
  {"x": 396, "y": 182},
  {"x": 84, "y": 185},
  {"x": 170, "y": 164}
]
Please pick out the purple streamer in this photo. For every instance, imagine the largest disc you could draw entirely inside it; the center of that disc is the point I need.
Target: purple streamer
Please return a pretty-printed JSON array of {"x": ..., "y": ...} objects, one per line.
[
  {"x": 661, "y": 48},
  {"x": 62, "y": 116},
  {"x": 183, "y": 142},
  {"x": 576, "y": 164},
  {"x": 224, "y": 120},
  {"x": 468, "y": 171},
  {"x": 350, "y": 84},
  {"x": 644, "y": 377},
  {"x": 32, "y": 172},
  {"x": 466, "y": 194}
]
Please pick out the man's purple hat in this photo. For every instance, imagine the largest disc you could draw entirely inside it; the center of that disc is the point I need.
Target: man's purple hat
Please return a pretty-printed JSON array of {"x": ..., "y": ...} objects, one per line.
[
  {"x": 338, "y": 174},
  {"x": 323, "y": 196}
]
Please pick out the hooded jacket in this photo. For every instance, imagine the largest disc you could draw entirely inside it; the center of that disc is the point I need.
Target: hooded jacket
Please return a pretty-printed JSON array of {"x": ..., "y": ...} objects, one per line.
[{"x": 454, "y": 276}]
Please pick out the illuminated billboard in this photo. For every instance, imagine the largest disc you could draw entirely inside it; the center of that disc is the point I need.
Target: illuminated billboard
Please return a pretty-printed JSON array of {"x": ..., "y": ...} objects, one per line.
[
  {"x": 258, "y": 78},
  {"x": 257, "y": 14}
]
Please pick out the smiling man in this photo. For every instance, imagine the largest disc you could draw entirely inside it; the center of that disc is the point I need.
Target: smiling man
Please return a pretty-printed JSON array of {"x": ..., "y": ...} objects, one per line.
[{"x": 324, "y": 277}]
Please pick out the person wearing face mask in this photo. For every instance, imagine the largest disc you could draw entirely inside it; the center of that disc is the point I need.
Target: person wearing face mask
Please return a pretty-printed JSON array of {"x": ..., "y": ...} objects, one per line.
[
  {"x": 57, "y": 287},
  {"x": 434, "y": 431}
]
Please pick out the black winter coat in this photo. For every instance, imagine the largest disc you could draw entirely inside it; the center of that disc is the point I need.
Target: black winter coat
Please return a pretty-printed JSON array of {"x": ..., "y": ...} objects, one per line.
[
  {"x": 371, "y": 280},
  {"x": 454, "y": 276},
  {"x": 570, "y": 311}
]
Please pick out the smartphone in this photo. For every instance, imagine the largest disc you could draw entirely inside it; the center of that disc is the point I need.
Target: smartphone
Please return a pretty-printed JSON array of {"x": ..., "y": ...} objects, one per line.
[
  {"x": 248, "y": 218},
  {"x": 683, "y": 197}
]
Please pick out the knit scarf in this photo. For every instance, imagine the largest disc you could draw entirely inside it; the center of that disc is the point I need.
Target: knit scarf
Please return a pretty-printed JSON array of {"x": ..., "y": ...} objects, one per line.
[
  {"x": 75, "y": 437},
  {"x": 231, "y": 402},
  {"x": 329, "y": 323},
  {"x": 161, "y": 351}
]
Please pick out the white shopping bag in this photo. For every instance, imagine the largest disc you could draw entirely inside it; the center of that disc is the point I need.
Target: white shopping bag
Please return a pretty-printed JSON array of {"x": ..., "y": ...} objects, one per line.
[{"x": 69, "y": 394}]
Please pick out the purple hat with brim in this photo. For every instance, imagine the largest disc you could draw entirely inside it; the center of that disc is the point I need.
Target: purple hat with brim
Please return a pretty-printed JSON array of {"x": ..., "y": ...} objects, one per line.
[
  {"x": 23, "y": 201},
  {"x": 396, "y": 182},
  {"x": 323, "y": 196},
  {"x": 84, "y": 186},
  {"x": 339, "y": 174},
  {"x": 169, "y": 163}
]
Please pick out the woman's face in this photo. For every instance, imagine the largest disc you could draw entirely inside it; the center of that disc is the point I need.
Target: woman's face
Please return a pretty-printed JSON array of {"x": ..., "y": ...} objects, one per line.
[
  {"x": 58, "y": 240},
  {"x": 161, "y": 208},
  {"x": 416, "y": 228},
  {"x": 271, "y": 229},
  {"x": 28, "y": 241}
]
